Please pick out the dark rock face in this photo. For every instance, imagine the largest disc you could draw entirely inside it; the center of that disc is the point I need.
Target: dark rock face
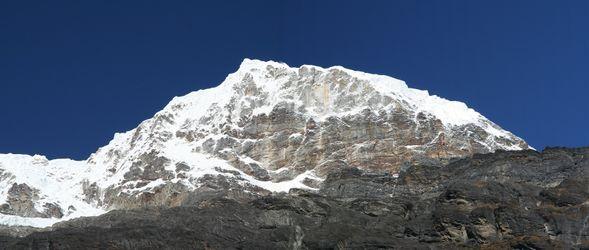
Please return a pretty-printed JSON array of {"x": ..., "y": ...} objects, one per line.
[
  {"x": 53, "y": 210},
  {"x": 149, "y": 167},
  {"x": 517, "y": 200}
]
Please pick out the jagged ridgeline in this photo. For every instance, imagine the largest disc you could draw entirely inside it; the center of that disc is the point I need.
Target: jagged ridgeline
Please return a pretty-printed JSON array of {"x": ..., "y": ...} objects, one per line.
[{"x": 266, "y": 128}]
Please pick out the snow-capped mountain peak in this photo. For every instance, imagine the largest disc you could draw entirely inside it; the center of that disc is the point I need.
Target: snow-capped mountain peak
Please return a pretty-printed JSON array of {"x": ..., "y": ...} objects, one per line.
[{"x": 267, "y": 127}]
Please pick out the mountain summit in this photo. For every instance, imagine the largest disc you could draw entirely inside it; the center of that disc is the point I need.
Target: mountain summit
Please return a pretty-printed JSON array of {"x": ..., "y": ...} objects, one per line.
[{"x": 266, "y": 128}]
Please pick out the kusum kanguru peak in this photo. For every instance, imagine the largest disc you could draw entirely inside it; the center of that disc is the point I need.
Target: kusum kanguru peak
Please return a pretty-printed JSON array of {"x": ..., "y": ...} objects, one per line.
[{"x": 266, "y": 128}]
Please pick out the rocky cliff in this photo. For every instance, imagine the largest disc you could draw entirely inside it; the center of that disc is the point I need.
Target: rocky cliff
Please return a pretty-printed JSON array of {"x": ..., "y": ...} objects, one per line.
[{"x": 502, "y": 200}]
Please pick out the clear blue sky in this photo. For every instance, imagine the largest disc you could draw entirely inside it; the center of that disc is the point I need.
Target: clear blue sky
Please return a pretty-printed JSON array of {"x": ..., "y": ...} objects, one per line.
[{"x": 72, "y": 73}]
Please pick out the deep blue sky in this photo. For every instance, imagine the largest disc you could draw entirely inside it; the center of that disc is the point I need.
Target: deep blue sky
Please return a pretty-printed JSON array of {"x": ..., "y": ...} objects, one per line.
[{"x": 72, "y": 73}]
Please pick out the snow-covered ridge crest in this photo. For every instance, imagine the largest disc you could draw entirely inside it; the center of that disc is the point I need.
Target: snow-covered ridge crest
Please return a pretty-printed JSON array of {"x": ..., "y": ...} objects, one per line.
[
  {"x": 449, "y": 112},
  {"x": 266, "y": 127},
  {"x": 266, "y": 75}
]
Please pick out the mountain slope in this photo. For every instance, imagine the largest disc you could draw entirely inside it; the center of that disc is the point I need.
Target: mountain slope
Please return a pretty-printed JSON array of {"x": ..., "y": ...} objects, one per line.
[
  {"x": 267, "y": 128},
  {"x": 502, "y": 200}
]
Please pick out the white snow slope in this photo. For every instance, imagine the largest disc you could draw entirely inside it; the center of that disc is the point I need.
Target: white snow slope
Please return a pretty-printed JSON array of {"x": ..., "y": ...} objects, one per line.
[{"x": 60, "y": 181}]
